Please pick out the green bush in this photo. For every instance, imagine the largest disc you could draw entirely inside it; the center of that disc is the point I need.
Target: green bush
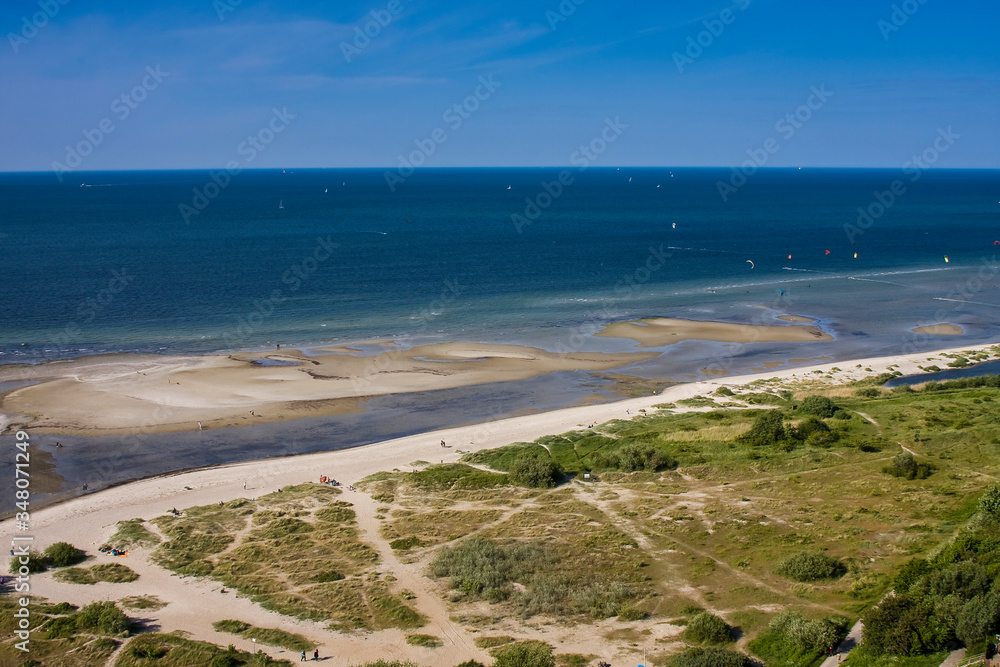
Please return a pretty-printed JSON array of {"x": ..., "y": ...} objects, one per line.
[
  {"x": 36, "y": 563},
  {"x": 535, "y": 472},
  {"x": 712, "y": 657},
  {"x": 63, "y": 554},
  {"x": 989, "y": 502},
  {"x": 524, "y": 654},
  {"x": 470, "y": 663},
  {"x": 633, "y": 457},
  {"x": 867, "y": 392},
  {"x": 979, "y": 617},
  {"x": 810, "y": 566},
  {"x": 804, "y": 633},
  {"x": 707, "y": 628},
  {"x": 904, "y": 465},
  {"x": 821, "y": 406},
  {"x": 768, "y": 428},
  {"x": 724, "y": 391},
  {"x": 103, "y": 618}
]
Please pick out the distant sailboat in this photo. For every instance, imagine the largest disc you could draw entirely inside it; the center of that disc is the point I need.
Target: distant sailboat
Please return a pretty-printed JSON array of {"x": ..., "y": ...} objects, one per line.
[
  {"x": 508, "y": 187},
  {"x": 325, "y": 191},
  {"x": 281, "y": 204}
]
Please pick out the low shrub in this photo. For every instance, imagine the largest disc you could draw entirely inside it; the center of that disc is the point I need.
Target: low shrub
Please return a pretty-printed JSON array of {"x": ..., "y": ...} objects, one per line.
[
  {"x": 524, "y": 654},
  {"x": 811, "y": 566},
  {"x": 63, "y": 554},
  {"x": 707, "y": 628},
  {"x": 102, "y": 618},
  {"x": 768, "y": 428},
  {"x": 904, "y": 465},
  {"x": 535, "y": 472},
  {"x": 820, "y": 406},
  {"x": 712, "y": 657}
]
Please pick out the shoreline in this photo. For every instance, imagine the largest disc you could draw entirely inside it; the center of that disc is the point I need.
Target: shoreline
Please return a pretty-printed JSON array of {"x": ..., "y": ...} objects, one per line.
[{"x": 398, "y": 452}]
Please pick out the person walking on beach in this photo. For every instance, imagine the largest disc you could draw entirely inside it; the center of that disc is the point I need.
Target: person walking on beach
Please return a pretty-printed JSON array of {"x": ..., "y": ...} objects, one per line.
[
  {"x": 442, "y": 444},
  {"x": 303, "y": 658},
  {"x": 316, "y": 654}
]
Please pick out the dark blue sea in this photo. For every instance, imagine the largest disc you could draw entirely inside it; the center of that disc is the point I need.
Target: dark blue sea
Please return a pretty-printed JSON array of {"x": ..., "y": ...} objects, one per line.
[
  {"x": 170, "y": 262},
  {"x": 311, "y": 257}
]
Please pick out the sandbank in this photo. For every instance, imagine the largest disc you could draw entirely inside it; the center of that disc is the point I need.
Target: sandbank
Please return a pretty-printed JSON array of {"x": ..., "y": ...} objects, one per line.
[
  {"x": 176, "y": 393},
  {"x": 940, "y": 329},
  {"x": 660, "y": 331}
]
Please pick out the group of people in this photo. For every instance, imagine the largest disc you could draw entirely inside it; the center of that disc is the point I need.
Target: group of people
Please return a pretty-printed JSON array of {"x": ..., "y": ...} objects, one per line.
[
  {"x": 315, "y": 656},
  {"x": 113, "y": 552},
  {"x": 332, "y": 482}
]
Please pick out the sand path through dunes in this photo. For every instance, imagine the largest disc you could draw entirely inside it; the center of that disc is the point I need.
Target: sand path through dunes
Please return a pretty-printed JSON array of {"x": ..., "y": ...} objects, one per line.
[{"x": 458, "y": 643}]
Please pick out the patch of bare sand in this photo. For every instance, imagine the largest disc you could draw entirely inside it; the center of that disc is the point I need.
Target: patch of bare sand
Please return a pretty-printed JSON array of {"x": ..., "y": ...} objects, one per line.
[
  {"x": 940, "y": 329},
  {"x": 660, "y": 331}
]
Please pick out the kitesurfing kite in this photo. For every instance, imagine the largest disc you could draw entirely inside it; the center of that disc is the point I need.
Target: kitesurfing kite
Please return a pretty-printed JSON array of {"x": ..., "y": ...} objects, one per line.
[
  {"x": 750, "y": 263},
  {"x": 827, "y": 252}
]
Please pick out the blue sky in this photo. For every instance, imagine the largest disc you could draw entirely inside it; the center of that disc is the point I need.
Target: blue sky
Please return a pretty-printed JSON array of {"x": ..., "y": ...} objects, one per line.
[{"x": 229, "y": 65}]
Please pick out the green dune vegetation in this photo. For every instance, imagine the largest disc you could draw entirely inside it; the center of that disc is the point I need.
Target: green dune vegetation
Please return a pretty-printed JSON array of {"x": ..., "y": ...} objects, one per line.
[
  {"x": 781, "y": 513},
  {"x": 752, "y": 526},
  {"x": 296, "y": 552}
]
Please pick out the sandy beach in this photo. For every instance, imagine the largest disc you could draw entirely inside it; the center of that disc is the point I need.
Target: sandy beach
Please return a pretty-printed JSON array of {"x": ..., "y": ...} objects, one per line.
[
  {"x": 193, "y": 604},
  {"x": 660, "y": 331},
  {"x": 98, "y": 396}
]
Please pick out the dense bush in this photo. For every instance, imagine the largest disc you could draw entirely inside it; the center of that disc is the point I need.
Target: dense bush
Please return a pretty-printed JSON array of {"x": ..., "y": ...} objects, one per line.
[
  {"x": 712, "y": 657},
  {"x": 904, "y": 465},
  {"x": 954, "y": 596},
  {"x": 535, "y": 472},
  {"x": 810, "y": 566},
  {"x": 821, "y": 406},
  {"x": 102, "y": 617},
  {"x": 36, "y": 563},
  {"x": 62, "y": 554},
  {"x": 707, "y": 628},
  {"x": 867, "y": 392},
  {"x": 989, "y": 503},
  {"x": 768, "y": 428},
  {"x": 807, "y": 634},
  {"x": 632, "y": 457},
  {"x": 524, "y": 654}
]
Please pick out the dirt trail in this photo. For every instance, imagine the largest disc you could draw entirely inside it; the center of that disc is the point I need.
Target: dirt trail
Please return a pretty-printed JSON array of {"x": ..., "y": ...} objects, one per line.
[{"x": 411, "y": 577}]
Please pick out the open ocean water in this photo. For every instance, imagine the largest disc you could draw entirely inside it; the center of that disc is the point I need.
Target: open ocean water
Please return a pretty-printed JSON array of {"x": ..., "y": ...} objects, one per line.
[{"x": 109, "y": 262}]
